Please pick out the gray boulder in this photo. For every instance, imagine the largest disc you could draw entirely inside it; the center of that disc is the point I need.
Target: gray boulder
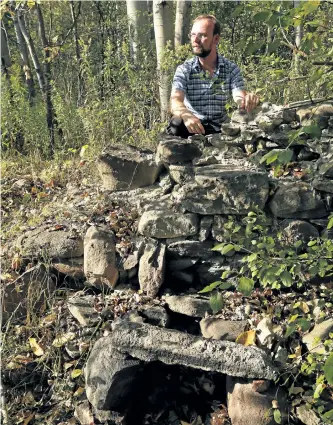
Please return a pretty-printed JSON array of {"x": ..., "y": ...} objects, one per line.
[
  {"x": 297, "y": 200},
  {"x": 297, "y": 230},
  {"x": 250, "y": 403},
  {"x": 127, "y": 168},
  {"x": 168, "y": 224},
  {"x": 173, "y": 151},
  {"x": 224, "y": 189},
  {"x": 50, "y": 242}
]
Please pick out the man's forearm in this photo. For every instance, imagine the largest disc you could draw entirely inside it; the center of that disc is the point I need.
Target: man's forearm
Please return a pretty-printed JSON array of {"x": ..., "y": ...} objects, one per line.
[{"x": 178, "y": 108}]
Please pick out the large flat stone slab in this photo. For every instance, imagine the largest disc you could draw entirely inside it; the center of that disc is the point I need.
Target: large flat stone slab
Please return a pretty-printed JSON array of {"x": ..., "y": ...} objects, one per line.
[
  {"x": 224, "y": 189},
  {"x": 150, "y": 343}
]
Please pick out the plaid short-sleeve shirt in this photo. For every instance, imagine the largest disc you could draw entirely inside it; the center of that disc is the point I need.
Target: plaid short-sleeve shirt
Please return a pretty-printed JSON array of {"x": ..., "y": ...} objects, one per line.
[{"x": 206, "y": 96}]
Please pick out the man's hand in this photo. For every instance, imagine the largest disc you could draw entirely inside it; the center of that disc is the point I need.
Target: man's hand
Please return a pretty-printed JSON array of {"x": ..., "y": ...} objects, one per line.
[
  {"x": 249, "y": 101},
  {"x": 192, "y": 123}
]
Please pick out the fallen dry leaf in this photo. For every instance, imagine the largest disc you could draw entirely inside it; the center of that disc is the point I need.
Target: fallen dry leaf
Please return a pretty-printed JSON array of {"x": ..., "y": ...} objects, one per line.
[
  {"x": 247, "y": 338},
  {"x": 36, "y": 348},
  {"x": 62, "y": 339}
]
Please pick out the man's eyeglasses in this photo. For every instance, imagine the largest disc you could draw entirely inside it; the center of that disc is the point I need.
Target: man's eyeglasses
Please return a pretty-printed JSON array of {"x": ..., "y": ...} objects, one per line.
[{"x": 199, "y": 35}]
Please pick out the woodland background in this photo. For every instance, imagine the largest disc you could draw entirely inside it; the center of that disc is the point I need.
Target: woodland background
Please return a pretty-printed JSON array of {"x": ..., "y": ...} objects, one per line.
[{"x": 92, "y": 73}]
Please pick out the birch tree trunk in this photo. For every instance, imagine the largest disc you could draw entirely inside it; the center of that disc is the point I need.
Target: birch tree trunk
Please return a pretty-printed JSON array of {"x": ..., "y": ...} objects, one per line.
[
  {"x": 298, "y": 40},
  {"x": 163, "y": 26},
  {"x": 182, "y": 24},
  {"x": 23, "y": 53},
  {"x": 138, "y": 27},
  {"x": 31, "y": 48}
]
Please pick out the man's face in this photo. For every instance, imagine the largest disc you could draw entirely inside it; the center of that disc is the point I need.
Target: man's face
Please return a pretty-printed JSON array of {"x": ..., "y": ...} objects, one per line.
[{"x": 202, "y": 38}]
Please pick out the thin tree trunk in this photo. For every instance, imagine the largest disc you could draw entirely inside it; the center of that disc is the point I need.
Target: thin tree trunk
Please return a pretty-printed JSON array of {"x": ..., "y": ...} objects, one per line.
[
  {"x": 32, "y": 50},
  {"x": 298, "y": 40},
  {"x": 270, "y": 37},
  {"x": 23, "y": 53},
  {"x": 182, "y": 25},
  {"x": 163, "y": 26},
  {"x": 138, "y": 26},
  {"x": 80, "y": 80},
  {"x": 47, "y": 79},
  {"x": 5, "y": 55}
]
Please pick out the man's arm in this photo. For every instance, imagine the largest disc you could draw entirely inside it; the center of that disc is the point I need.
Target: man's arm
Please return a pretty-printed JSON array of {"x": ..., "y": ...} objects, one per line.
[{"x": 192, "y": 123}]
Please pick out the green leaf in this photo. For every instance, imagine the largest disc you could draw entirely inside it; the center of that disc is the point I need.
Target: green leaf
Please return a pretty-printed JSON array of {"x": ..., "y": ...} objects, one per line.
[
  {"x": 237, "y": 11},
  {"x": 313, "y": 130},
  {"x": 330, "y": 224},
  {"x": 245, "y": 285},
  {"x": 285, "y": 156},
  {"x": 328, "y": 415},
  {"x": 328, "y": 369},
  {"x": 225, "y": 285},
  {"x": 290, "y": 330},
  {"x": 269, "y": 157},
  {"x": 218, "y": 247},
  {"x": 216, "y": 302},
  {"x": 253, "y": 47},
  {"x": 319, "y": 389},
  {"x": 227, "y": 248},
  {"x": 312, "y": 243},
  {"x": 277, "y": 416},
  {"x": 210, "y": 287},
  {"x": 261, "y": 16},
  {"x": 273, "y": 46},
  {"x": 286, "y": 279}
]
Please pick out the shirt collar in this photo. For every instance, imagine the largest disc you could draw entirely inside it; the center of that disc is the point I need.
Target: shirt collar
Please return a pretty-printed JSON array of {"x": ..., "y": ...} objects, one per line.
[{"x": 196, "y": 64}]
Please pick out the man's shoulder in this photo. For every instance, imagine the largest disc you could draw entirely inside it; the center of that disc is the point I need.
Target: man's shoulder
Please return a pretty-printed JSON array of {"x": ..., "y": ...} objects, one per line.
[
  {"x": 188, "y": 64},
  {"x": 227, "y": 63}
]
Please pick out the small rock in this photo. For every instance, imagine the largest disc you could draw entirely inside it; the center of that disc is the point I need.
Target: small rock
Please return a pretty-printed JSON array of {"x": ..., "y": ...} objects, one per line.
[
  {"x": 319, "y": 333},
  {"x": 100, "y": 265},
  {"x": 228, "y": 330},
  {"x": 230, "y": 129},
  {"x": 83, "y": 310},
  {"x": 265, "y": 332},
  {"x": 152, "y": 268},
  {"x": 307, "y": 416},
  {"x": 193, "y": 306},
  {"x": 167, "y": 224},
  {"x": 205, "y": 227}
]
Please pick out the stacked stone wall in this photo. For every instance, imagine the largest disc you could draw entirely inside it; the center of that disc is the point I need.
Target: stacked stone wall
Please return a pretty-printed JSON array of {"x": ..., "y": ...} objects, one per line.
[{"x": 200, "y": 181}]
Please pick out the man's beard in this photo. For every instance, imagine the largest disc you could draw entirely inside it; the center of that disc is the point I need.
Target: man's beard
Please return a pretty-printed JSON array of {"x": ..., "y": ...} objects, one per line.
[{"x": 203, "y": 54}]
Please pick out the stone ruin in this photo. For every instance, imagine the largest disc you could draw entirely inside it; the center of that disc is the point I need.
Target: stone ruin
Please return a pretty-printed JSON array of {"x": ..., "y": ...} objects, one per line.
[{"x": 183, "y": 194}]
